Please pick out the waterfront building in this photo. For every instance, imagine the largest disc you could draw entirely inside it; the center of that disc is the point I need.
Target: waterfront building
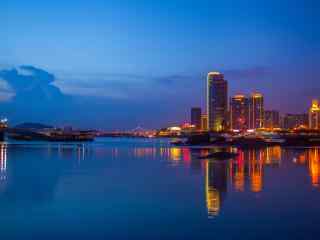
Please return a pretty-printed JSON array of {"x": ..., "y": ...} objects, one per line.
[
  {"x": 196, "y": 117},
  {"x": 239, "y": 112},
  {"x": 291, "y": 121},
  {"x": 271, "y": 119},
  {"x": 204, "y": 122},
  {"x": 256, "y": 111},
  {"x": 217, "y": 101},
  {"x": 314, "y": 115}
]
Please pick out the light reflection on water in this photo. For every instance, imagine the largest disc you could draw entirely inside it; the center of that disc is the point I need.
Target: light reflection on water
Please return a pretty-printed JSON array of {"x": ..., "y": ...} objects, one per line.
[{"x": 37, "y": 174}]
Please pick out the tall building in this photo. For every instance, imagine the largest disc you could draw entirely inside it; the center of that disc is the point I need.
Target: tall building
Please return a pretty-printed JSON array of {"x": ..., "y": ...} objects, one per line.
[
  {"x": 196, "y": 117},
  {"x": 239, "y": 112},
  {"x": 271, "y": 119},
  {"x": 256, "y": 111},
  {"x": 314, "y": 115},
  {"x": 291, "y": 121},
  {"x": 204, "y": 122},
  {"x": 217, "y": 101}
]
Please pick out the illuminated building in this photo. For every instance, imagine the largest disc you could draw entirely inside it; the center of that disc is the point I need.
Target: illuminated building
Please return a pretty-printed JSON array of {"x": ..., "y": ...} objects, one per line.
[
  {"x": 196, "y": 117},
  {"x": 256, "y": 111},
  {"x": 239, "y": 112},
  {"x": 204, "y": 122},
  {"x": 271, "y": 119},
  {"x": 216, "y": 186},
  {"x": 314, "y": 115},
  {"x": 187, "y": 127},
  {"x": 217, "y": 101},
  {"x": 291, "y": 121}
]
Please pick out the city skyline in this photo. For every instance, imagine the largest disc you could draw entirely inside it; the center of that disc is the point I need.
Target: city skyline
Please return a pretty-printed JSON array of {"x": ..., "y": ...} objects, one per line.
[
  {"x": 168, "y": 119},
  {"x": 241, "y": 113},
  {"x": 117, "y": 54}
]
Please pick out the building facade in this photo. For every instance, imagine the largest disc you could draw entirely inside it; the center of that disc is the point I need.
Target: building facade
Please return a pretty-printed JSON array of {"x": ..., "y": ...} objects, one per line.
[
  {"x": 256, "y": 111},
  {"x": 291, "y": 121},
  {"x": 239, "y": 112},
  {"x": 196, "y": 117},
  {"x": 204, "y": 122},
  {"x": 314, "y": 115},
  {"x": 217, "y": 101},
  {"x": 271, "y": 119}
]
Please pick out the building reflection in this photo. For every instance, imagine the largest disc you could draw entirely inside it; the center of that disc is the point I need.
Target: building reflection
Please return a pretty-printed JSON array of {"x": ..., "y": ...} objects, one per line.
[
  {"x": 246, "y": 171},
  {"x": 255, "y": 160},
  {"x": 249, "y": 167},
  {"x": 311, "y": 159},
  {"x": 238, "y": 172},
  {"x": 3, "y": 162},
  {"x": 215, "y": 186},
  {"x": 145, "y": 152},
  {"x": 314, "y": 166},
  {"x": 175, "y": 154},
  {"x": 78, "y": 152},
  {"x": 272, "y": 156}
]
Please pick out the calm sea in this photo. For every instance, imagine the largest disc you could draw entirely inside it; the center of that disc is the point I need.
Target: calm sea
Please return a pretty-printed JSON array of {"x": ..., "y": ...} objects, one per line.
[{"x": 119, "y": 188}]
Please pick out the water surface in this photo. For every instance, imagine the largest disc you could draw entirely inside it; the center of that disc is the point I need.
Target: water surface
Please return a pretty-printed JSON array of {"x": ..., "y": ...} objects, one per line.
[{"x": 118, "y": 188}]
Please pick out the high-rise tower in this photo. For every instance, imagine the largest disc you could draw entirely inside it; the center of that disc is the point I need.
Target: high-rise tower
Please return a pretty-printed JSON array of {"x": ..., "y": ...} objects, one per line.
[
  {"x": 239, "y": 112},
  {"x": 256, "y": 111},
  {"x": 217, "y": 101},
  {"x": 196, "y": 117}
]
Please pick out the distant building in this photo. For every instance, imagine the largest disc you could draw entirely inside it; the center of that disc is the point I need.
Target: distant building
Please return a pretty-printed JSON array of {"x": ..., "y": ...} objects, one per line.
[
  {"x": 314, "y": 115},
  {"x": 291, "y": 121},
  {"x": 217, "y": 101},
  {"x": 256, "y": 111},
  {"x": 239, "y": 112},
  {"x": 271, "y": 119},
  {"x": 204, "y": 122},
  {"x": 196, "y": 117}
]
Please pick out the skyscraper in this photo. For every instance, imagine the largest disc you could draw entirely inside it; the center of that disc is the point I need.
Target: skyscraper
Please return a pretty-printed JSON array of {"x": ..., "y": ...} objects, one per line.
[
  {"x": 271, "y": 119},
  {"x": 217, "y": 101},
  {"x": 196, "y": 117},
  {"x": 256, "y": 111},
  {"x": 239, "y": 112},
  {"x": 314, "y": 115}
]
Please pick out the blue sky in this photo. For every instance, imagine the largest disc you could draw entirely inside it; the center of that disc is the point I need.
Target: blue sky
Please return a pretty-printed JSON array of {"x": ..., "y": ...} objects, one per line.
[{"x": 147, "y": 60}]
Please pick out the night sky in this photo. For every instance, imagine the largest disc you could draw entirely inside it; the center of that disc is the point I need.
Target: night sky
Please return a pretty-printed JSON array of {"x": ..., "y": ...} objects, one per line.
[{"x": 119, "y": 64}]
